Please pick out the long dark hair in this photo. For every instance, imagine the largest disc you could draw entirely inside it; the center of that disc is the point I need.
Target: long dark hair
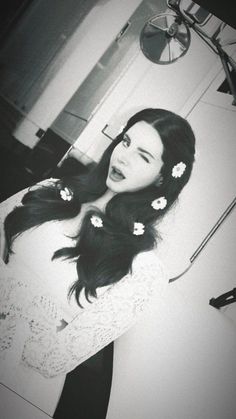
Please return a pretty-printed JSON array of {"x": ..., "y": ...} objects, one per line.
[{"x": 105, "y": 255}]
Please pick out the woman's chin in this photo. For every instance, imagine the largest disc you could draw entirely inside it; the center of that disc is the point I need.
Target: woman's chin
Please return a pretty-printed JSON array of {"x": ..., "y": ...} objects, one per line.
[{"x": 115, "y": 187}]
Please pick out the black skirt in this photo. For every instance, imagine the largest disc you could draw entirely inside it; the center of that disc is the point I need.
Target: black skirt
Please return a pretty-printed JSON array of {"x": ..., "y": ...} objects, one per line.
[{"x": 87, "y": 388}]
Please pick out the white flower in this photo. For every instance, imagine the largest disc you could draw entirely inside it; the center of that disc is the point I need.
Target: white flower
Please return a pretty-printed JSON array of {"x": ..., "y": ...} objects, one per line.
[
  {"x": 138, "y": 229},
  {"x": 96, "y": 221},
  {"x": 159, "y": 203},
  {"x": 178, "y": 169},
  {"x": 66, "y": 194}
]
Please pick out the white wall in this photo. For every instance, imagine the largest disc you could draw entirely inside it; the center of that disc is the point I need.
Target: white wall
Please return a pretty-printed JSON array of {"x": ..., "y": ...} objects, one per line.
[{"x": 178, "y": 363}]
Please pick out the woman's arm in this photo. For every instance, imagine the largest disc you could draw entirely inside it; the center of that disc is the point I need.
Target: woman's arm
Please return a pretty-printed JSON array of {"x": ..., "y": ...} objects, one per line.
[{"x": 107, "y": 318}]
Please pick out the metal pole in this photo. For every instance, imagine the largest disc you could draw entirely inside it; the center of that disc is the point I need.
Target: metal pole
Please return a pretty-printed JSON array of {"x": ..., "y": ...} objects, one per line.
[{"x": 207, "y": 238}]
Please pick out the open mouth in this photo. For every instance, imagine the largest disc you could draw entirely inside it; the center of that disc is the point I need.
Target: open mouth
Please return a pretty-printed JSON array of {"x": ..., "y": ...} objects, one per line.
[{"x": 116, "y": 174}]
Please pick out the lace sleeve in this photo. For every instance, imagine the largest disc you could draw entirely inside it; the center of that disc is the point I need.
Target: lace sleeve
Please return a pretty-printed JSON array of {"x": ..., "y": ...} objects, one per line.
[{"x": 107, "y": 318}]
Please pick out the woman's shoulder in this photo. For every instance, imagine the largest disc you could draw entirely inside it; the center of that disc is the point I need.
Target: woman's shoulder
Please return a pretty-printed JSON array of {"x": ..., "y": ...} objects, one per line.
[
  {"x": 17, "y": 197},
  {"x": 45, "y": 182},
  {"x": 15, "y": 200},
  {"x": 147, "y": 268},
  {"x": 149, "y": 260}
]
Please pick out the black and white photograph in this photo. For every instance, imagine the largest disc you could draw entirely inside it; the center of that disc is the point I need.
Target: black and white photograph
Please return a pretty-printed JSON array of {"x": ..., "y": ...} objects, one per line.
[{"x": 117, "y": 209}]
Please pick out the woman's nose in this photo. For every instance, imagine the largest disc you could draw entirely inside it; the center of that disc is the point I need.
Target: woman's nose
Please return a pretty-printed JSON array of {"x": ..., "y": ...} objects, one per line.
[{"x": 123, "y": 158}]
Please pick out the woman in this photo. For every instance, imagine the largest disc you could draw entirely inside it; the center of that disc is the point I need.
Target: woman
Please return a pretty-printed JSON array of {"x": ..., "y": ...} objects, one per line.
[{"x": 80, "y": 258}]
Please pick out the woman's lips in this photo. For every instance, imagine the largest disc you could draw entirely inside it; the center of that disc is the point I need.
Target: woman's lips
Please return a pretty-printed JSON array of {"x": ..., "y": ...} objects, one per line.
[{"x": 116, "y": 174}]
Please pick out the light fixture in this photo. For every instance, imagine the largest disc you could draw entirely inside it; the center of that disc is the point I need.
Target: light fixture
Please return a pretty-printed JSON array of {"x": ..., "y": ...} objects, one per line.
[{"x": 165, "y": 38}]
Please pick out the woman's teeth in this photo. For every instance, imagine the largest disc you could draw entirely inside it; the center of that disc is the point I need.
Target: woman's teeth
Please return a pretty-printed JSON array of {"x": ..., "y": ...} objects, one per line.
[{"x": 116, "y": 174}]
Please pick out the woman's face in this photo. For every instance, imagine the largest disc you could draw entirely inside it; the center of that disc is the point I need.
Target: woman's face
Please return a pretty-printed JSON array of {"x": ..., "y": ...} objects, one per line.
[{"x": 136, "y": 161}]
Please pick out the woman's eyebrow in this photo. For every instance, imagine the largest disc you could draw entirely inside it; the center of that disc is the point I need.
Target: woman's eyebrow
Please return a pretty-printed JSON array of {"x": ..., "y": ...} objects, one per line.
[{"x": 145, "y": 151}]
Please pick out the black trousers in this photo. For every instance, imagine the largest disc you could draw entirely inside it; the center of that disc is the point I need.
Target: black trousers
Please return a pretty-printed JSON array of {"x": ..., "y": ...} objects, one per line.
[{"x": 87, "y": 388}]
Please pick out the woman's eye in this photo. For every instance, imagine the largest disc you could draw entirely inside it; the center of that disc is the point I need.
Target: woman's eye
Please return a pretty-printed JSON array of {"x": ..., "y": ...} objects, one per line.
[
  {"x": 126, "y": 141},
  {"x": 144, "y": 158}
]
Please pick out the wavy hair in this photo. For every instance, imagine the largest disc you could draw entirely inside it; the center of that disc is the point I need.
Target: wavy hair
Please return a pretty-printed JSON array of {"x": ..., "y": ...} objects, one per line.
[{"x": 104, "y": 255}]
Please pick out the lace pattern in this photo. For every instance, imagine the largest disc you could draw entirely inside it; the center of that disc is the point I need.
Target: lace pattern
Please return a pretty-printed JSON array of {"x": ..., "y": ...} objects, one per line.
[{"x": 51, "y": 345}]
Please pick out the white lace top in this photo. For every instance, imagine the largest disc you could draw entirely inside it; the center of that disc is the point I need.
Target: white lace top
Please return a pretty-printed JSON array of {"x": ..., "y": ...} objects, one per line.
[{"x": 43, "y": 334}]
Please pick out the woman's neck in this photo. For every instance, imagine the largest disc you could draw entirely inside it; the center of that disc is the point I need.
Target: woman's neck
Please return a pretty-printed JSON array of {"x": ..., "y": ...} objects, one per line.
[{"x": 101, "y": 202}]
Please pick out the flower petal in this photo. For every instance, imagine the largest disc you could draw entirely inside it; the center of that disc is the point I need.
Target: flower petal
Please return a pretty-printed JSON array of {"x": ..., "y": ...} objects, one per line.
[
  {"x": 178, "y": 169},
  {"x": 159, "y": 203}
]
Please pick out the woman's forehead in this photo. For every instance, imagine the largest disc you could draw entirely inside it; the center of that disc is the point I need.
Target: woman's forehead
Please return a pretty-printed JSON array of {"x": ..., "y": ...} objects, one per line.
[{"x": 146, "y": 136}]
